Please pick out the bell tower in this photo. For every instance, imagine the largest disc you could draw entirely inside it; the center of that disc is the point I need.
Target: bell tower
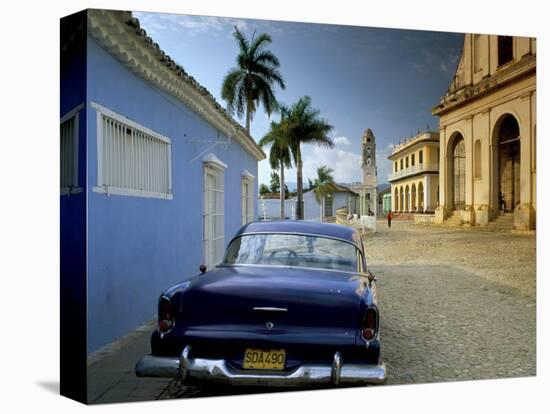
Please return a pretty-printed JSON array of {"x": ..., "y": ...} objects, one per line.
[{"x": 368, "y": 146}]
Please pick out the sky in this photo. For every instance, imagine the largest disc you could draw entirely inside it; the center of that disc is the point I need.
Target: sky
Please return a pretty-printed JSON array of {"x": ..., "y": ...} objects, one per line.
[{"x": 358, "y": 77}]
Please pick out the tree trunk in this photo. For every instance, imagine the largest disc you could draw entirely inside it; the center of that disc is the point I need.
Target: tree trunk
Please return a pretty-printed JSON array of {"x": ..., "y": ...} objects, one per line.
[
  {"x": 248, "y": 116},
  {"x": 282, "y": 182},
  {"x": 299, "y": 185}
]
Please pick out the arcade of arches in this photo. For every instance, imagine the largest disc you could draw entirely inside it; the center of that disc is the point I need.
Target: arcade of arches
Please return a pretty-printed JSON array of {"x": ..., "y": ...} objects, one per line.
[
  {"x": 410, "y": 196},
  {"x": 487, "y": 136}
]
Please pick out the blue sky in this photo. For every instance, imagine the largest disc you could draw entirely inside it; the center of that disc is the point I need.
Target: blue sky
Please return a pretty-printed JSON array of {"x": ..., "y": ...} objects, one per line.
[{"x": 358, "y": 77}]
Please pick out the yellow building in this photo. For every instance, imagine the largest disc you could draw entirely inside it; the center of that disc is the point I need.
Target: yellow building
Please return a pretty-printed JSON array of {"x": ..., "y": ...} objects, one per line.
[
  {"x": 415, "y": 171},
  {"x": 487, "y": 134}
]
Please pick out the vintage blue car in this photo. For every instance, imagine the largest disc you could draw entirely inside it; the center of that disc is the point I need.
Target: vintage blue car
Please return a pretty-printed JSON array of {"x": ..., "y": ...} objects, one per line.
[{"x": 291, "y": 304}]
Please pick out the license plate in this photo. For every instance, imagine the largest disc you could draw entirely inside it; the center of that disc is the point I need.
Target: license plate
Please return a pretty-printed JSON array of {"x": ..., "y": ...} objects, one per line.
[{"x": 264, "y": 359}]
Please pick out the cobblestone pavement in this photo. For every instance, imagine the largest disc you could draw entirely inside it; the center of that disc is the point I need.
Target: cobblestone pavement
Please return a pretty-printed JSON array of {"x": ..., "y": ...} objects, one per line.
[
  {"x": 449, "y": 315},
  {"x": 111, "y": 377},
  {"x": 456, "y": 304}
]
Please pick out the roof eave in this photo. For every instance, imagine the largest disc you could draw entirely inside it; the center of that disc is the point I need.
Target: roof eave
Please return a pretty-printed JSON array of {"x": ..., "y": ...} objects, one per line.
[{"x": 121, "y": 35}]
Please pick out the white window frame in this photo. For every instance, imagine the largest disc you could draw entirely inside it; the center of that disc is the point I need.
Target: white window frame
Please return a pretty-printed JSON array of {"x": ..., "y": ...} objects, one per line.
[
  {"x": 102, "y": 187},
  {"x": 73, "y": 114},
  {"x": 247, "y": 197},
  {"x": 213, "y": 244}
]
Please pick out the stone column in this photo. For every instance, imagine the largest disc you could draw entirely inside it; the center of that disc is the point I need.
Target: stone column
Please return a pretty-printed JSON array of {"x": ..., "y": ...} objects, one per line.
[
  {"x": 427, "y": 204},
  {"x": 440, "y": 211},
  {"x": 524, "y": 213},
  {"x": 468, "y": 212}
]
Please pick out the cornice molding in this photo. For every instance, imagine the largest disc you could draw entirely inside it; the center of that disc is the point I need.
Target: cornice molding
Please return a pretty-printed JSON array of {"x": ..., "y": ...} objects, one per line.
[
  {"x": 119, "y": 34},
  {"x": 451, "y": 100},
  {"x": 487, "y": 108}
]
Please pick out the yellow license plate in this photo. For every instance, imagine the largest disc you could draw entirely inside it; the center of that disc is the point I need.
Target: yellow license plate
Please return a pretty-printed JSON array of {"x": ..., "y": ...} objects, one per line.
[{"x": 264, "y": 359}]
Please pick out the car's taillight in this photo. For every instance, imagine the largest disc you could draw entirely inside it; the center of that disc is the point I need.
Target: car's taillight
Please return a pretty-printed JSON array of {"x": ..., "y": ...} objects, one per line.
[
  {"x": 165, "y": 315},
  {"x": 370, "y": 324}
]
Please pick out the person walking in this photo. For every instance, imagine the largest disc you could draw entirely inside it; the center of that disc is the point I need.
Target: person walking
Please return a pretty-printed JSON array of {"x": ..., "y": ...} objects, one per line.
[{"x": 389, "y": 217}]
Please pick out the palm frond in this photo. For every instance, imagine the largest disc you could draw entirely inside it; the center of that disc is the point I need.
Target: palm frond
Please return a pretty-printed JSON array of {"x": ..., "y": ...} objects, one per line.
[
  {"x": 257, "y": 73},
  {"x": 230, "y": 88},
  {"x": 258, "y": 43},
  {"x": 241, "y": 40}
]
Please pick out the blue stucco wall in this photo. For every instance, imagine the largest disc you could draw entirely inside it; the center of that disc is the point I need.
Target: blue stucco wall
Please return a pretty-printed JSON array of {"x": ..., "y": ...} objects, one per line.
[
  {"x": 340, "y": 200},
  {"x": 137, "y": 247}
]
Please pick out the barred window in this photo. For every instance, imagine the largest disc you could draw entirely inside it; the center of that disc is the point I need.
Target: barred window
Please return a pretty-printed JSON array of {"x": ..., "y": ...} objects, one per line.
[
  {"x": 132, "y": 160},
  {"x": 69, "y": 155}
]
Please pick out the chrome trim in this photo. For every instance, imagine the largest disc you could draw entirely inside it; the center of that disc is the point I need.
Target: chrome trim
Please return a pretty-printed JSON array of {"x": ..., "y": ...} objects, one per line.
[
  {"x": 269, "y": 309},
  {"x": 218, "y": 371},
  {"x": 152, "y": 366},
  {"x": 296, "y": 234},
  {"x": 336, "y": 368},
  {"x": 355, "y": 272},
  {"x": 184, "y": 362}
]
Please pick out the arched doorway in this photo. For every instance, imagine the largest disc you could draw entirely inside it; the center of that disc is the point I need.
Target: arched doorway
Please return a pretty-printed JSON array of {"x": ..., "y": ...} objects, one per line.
[
  {"x": 420, "y": 196},
  {"x": 413, "y": 198},
  {"x": 508, "y": 141},
  {"x": 401, "y": 205},
  {"x": 407, "y": 199},
  {"x": 458, "y": 173},
  {"x": 396, "y": 202}
]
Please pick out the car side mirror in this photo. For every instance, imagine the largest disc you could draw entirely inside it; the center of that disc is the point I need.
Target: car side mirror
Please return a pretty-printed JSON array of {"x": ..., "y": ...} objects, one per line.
[{"x": 202, "y": 269}]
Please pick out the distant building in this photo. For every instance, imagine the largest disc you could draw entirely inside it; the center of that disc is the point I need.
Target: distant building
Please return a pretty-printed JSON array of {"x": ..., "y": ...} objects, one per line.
[
  {"x": 318, "y": 210},
  {"x": 384, "y": 199},
  {"x": 386, "y": 202},
  {"x": 487, "y": 123},
  {"x": 415, "y": 174},
  {"x": 367, "y": 189}
]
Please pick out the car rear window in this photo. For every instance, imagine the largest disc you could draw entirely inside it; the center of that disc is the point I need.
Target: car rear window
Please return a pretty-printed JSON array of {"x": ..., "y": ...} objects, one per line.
[{"x": 292, "y": 250}]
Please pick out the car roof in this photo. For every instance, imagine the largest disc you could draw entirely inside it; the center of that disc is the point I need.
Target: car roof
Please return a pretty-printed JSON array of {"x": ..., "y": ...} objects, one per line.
[{"x": 314, "y": 228}]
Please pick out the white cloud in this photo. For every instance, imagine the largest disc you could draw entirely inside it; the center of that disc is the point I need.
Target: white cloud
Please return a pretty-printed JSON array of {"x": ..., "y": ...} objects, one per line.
[
  {"x": 384, "y": 165},
  {"x": 346, "y": 164},
  {"x": 192, "y": 24},
  {"x": 342, "y": 141}
]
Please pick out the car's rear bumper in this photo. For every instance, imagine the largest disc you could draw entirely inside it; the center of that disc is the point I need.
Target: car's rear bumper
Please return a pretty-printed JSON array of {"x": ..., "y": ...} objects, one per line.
[{"x": 218, "y": 371}]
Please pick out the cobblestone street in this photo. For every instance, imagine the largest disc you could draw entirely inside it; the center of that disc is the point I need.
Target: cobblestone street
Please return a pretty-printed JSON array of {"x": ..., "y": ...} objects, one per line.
[{"x": 456, "y": 304}]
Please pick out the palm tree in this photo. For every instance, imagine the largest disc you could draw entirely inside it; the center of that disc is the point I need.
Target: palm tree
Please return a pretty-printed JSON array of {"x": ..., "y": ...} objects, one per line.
[
  {"x": 251, "y": 81},
  {"x": 324, "y": 186},
  {"x": 279, "y": 154},
  {"x": 304, "y": 126}
]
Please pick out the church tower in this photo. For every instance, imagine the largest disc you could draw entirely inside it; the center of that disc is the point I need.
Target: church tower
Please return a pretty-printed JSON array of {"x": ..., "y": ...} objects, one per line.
[{"x": 368, "y": 146}]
